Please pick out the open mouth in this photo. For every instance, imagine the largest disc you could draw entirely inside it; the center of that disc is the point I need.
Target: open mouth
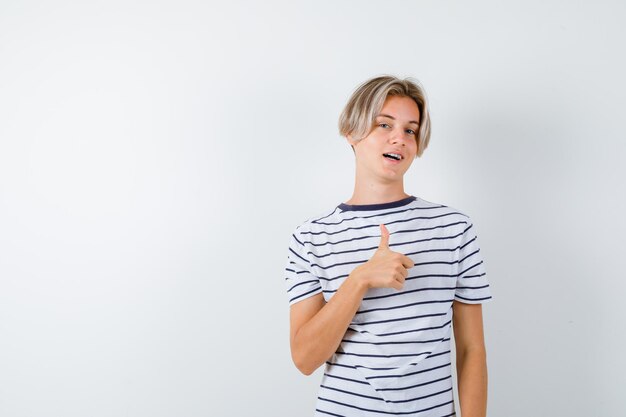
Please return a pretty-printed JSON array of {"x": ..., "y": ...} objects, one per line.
[{"x": 393, "y": 156}]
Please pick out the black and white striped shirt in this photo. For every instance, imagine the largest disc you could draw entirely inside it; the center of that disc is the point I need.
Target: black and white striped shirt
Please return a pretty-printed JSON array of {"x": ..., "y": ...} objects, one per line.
[{"x": 394, "y": 358}]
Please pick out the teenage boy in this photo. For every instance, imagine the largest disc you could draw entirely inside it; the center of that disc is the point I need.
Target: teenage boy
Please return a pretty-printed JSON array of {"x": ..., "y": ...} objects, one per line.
[{"x": 377, "y": 284}]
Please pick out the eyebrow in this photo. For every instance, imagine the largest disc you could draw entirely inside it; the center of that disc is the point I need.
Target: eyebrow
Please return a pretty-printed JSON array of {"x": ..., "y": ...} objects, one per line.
[{"x": 393, "y": 118}]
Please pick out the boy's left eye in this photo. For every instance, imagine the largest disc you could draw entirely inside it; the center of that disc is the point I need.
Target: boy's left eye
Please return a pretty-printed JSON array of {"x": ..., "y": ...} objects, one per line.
[{"x": 410, "y": 131}]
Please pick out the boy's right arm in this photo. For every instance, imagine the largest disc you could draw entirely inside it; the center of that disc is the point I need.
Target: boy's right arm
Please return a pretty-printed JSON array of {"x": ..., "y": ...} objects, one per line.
[{"x": 317, "y": 327}]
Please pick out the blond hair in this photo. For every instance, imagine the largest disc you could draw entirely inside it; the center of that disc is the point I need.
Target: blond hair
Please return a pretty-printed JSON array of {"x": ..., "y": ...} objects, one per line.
[{"x": 358, "y": 116}]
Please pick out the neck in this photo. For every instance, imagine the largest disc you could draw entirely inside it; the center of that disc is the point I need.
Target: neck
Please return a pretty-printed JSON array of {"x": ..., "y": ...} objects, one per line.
[{"x": 371, "y": 192}]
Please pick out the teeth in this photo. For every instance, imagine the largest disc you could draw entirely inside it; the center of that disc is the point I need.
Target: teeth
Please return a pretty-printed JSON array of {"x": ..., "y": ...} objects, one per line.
[{"x": 395, "y": 155}]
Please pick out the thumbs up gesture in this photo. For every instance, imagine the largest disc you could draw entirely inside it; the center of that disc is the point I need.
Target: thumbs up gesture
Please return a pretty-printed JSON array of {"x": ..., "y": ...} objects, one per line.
[{"x": 386, "y": 268}]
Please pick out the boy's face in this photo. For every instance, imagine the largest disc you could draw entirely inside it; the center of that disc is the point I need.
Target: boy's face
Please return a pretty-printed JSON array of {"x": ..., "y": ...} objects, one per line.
[{"x": 395, "y": 131}]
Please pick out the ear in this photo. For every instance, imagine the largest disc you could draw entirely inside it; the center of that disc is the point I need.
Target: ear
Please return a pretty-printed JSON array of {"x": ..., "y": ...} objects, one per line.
[{"x": 351, "y": 143}]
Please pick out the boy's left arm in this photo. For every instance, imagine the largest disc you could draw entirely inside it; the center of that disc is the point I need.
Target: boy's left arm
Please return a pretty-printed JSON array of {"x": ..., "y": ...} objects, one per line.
[{"x": 471, "y": 358}]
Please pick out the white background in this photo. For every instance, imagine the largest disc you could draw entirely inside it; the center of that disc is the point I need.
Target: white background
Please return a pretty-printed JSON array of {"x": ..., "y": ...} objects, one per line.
[{"x": 156, "y": 156}]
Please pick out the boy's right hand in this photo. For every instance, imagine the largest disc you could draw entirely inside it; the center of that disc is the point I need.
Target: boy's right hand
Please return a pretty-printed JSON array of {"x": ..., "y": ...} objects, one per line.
[{"x": 386, "y": 268}]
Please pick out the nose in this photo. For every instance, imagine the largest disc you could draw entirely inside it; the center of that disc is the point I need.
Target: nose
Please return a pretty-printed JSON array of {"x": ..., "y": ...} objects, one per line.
[{"x": 396, "y": 136}]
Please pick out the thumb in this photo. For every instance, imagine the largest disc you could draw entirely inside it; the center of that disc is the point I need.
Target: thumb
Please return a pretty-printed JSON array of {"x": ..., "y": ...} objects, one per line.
[{"x": 384, "y": 237}]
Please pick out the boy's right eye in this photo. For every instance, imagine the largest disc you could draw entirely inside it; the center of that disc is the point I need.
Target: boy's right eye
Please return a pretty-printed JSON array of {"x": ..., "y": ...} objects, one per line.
[{"x": 383, "y": 124}]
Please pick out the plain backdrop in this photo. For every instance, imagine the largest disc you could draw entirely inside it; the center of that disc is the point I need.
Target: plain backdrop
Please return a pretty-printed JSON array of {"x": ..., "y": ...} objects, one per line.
[{"x": 155, "y": 157}]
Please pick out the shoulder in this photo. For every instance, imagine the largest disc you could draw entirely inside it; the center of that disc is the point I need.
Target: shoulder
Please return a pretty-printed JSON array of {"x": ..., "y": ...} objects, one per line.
[
  {"x": 445, "y": 210},
  {"x": 316, "y": 223}
]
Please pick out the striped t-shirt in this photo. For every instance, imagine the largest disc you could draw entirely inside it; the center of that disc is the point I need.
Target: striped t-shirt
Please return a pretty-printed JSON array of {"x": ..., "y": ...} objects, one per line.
[{"x": 394, "y": 358}]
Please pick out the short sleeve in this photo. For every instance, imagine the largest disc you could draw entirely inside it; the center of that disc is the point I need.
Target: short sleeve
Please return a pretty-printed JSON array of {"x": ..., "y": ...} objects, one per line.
[
  {"x": 300, "y": 281},
  {"x": 472, "y": 286}
]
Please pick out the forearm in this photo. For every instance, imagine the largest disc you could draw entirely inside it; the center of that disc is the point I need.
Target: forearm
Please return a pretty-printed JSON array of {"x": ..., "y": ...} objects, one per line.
[
  {"x": 319, "y": 338},
  {"x": 472, "y": 380}
]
